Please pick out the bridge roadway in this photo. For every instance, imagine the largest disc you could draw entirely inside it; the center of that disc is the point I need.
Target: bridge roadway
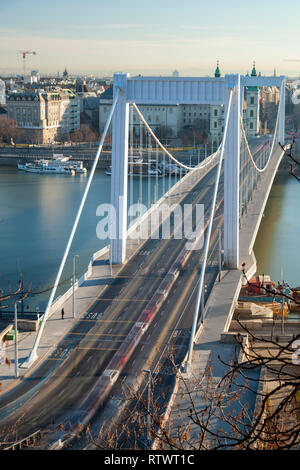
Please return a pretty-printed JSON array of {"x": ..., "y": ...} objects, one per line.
[
  {"x": 54, "y": 390},
  {"x": 171, "y": 333}
]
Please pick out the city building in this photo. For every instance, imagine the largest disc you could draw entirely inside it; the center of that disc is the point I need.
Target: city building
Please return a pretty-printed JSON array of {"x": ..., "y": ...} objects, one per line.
[
  {"x": 204, "y": 120},
  {"x": 269, "y": 100},
  {"x": 2, "y": 93},
  {"x": 83, "y": 91},
  {"x": 164, "y": 120},
  {"x": 45, "y": 116},
  {"x": 251, "y": 107},
  {"x": 216, "y": 125},
  {"x": 251, "y": 110}
]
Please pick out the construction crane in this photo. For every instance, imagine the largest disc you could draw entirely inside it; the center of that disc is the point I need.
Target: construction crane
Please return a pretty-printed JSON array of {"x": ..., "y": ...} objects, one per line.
[{"x": 24, "y": 54}]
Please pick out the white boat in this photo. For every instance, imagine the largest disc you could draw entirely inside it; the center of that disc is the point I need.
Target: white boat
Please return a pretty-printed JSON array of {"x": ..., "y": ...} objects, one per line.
[
  {"x": 61, "y": 160},
  {"x": 59, "y": 165},
  {"x": 42, "y": 166},
  {"x": 173, "y": 169}
]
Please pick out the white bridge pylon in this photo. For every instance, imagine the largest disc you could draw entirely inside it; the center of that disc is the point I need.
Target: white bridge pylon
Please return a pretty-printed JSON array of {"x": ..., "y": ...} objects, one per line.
[{"x": 182, "y": 90}]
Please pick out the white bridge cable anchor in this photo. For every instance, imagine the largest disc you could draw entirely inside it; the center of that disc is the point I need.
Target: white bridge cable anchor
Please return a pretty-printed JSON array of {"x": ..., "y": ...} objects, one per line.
[{"x": 33, "y": 354}]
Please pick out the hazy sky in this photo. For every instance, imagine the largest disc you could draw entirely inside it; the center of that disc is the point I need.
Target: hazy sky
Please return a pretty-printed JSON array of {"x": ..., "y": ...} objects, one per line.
[{"x": 150, "y": 36}]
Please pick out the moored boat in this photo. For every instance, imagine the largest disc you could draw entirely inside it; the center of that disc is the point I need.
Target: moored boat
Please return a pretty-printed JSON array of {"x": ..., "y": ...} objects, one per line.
[{"x": 43, "y": 166}]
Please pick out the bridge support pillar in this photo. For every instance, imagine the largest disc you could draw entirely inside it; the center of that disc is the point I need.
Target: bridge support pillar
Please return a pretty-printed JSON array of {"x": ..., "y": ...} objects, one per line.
[
  {"x": 119, "y": 168},
  {"x": 232, "y": 176}
]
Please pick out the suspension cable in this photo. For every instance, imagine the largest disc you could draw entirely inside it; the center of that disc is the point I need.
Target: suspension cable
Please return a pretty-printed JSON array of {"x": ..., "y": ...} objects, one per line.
[
  {"x": 164, "y": 148},
  {"x": 260, "y": 170}
]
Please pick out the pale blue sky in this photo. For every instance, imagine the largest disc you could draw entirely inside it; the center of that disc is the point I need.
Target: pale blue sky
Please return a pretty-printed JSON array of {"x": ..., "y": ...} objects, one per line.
[{"x": 150, "y": 37}]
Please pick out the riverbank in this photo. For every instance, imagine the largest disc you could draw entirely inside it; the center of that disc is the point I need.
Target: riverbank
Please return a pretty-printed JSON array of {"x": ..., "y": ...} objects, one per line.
[{"x": 11, "y": 157}]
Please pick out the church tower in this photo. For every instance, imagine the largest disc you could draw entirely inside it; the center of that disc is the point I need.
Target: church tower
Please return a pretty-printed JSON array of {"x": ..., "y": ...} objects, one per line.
[
  {"x": 251, "y": 115},
  {"x": 216, "y": 114}
]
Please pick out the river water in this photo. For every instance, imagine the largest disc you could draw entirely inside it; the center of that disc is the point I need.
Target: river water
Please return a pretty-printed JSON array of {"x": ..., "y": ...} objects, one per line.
[
  {"x": 36, "y": 217},
  {"x": 277, "y": 246}
]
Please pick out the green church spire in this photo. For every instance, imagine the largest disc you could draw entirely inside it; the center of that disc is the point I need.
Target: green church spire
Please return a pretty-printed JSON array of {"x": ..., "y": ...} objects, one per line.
[
  {"x": 253, "y": 73},
  {"x": 217, "y": 72}
]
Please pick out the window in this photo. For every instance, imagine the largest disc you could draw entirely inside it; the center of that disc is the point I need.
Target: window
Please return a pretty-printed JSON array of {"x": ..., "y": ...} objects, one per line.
[
  {"x": 252, "y": 100},
  {"x": 251, "y": 125},
  {"x": 251, "y": 113},
  {"x": 216, "y": 112},
  {"x": 215, "y": 124}
]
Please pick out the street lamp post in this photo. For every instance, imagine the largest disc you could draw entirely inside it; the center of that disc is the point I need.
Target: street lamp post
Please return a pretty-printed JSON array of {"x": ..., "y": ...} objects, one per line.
[
  {"x": 74, "y": 280},
  {"x": 147, "y": 371},
  {"x": 110, "y": 249},
  {"x": 16, "y": 345},
  {"x": 282, "y": 302},
  {"x": 22, "y": 293},
  {"x": 220, "y": 254}
]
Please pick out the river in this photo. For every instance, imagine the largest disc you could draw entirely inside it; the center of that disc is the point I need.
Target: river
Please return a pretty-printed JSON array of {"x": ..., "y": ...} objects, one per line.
[
  {"x": 277, "y": 246},
  {"x": 36, "y": 217}
]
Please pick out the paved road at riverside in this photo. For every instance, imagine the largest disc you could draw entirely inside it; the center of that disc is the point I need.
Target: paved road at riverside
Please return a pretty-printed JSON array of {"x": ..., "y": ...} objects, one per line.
[{"x": 53, "y": 390}]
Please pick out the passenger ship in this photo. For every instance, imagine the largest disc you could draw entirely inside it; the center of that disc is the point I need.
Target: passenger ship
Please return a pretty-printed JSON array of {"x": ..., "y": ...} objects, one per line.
[{"x": 61, "y": 165}]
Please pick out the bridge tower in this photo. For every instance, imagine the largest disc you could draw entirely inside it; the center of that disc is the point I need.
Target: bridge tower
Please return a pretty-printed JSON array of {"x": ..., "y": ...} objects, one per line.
[
  {"x": 232, "y": 173},
  {"x": 172, "y": 91},
  {"x": 119, "y": 166}
]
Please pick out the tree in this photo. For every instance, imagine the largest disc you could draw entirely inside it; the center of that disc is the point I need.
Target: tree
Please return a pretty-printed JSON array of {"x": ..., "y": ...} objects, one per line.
[
  {"x": 293, "y": 161},
  {"x": 10, "y": 132},
  {"x": 224, "y": 420},
  {"x": 84, "y": 134}
]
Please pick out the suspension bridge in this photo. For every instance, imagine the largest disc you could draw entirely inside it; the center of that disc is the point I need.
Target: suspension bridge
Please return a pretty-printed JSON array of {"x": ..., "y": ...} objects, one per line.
[{"x": 156, "y": 285}]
